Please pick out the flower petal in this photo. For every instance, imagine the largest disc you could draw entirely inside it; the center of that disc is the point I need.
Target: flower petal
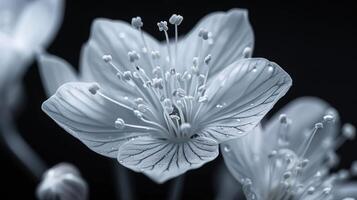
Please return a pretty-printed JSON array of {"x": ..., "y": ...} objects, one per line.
[
  {"x": 238, "y": 154},
  {"x": 240, "y": 96},
  {"x": 303, "y": 113},
  {"x": 231, "y": 34},
  {"x": 161, "y": 159},
  {"x": 90, "y": 118},
  {"x": 39, "y": 22},
  {"x": 343, "y": 190},
  {"x": 54, "y": 72}
]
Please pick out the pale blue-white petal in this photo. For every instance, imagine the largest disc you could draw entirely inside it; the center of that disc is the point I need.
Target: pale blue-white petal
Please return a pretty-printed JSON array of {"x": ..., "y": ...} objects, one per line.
[
  {"x": 161, "y": 159},
  {"x": 54, "y": 72},
  {"x": 231, "y": 34},
  {"x": 240, "y": 96},
  {"x": 245, "y": 156},
  {"x": 38, "y": 23},
  {"x": 303, "y": 113},
  {"x": 343, "y": 190},
  {"x": 91, "y": 118},
  {"x": 10, "y": 10}
]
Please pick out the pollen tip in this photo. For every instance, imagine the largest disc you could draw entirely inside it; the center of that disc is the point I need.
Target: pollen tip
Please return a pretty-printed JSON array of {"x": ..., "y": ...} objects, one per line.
[
  {"x": 119, "y": 123},
  {"x": 175, "y": 19},
  {"x": 94, "y": 88},
  {"x": 319, "y": 125},
  {"x": 349, "y": 131},
  {"x": 107, "y": 58},
  {"x": 136, "y": 22},
  {"x": 328, "y": 118},
  {"x": 203, "y": 33},
  {"x": 162, "y": 26},
  {"x": 247, "y": 52},
  {"x": 283, "y": 119},
  {"x": 208, "y": 58}
]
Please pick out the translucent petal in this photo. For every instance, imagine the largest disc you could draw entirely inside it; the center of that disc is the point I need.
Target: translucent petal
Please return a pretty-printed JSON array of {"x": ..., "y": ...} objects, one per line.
[
  {"x": 304, "y": 113},
  {"x": 231, "y": 34},
  {"x": 38, "y": 22},
  {"x": 91, "y": 118},
  {"x": 245, "y": 91},
  {"x": 54, "y": 72},
  {"x": 161, "y": 159},
  {"x": 343, "y": 190}
]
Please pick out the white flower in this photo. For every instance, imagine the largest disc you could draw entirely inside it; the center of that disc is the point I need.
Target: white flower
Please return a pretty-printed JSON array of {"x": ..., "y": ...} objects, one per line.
[
  {"x": 63, "y": 181},
  {"x": 163, "y": 108},
  {"x": 291, "y": 156},
  {"x": 26, "y": 26}
]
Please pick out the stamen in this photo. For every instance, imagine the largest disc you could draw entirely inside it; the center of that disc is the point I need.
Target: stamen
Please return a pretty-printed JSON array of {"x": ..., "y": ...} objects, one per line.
[
  {"x": 119, "y": 123},
  {"x": 204, "y": 34},
  {"x": 247, "y": 52},
  {"x": 176, "y": 20},
  {"x": 349, "y": 131},
  {"x": 94, "y": 88},
  {"x": 136, "y": 22},
  {"x": 133, "y": 56},
  {"x": 307, "y": 143},
  {"x": 163, "y": 27}
]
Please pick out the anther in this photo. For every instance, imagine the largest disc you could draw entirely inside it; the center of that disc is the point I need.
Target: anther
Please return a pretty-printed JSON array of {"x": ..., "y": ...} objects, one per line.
[
  {"x": 139, "y": 101},
  {"x": 133, "y": 56},
  {"x": 247, "y": 52},
  {"x": 208, "y": 58},
  {"x": 142, "y": 108},
  {"x": 319, "y": 125},
  {"x": 195, "y": 61},
  {"x": 203, "y": 99},
  {"x": 162, "y": 26},
  {"x": 119, "y": 123},
  {"x": 283, "y": 119},
  {"x": 185, "y": 128},
  {"x": 127, "y": 75},
  {"x": 136, "y": 22},
  {"x": 328, "y": 118},
  {"x": 326, "y": 191},
  {"x": 158, "y": 83},
  {"x": 204, "y": 34},
  {"x": 93, "y": 88},
  {"x": 175, "y": 19},
  {"x": 179, "y": 92},
  {"x": 138, "y": 114},
  {"x": 287, "y": 175},
  {"x": 311, "y": 190},
  {"x": 107, "y": 58},
  {"x": 349, "y": 131}
]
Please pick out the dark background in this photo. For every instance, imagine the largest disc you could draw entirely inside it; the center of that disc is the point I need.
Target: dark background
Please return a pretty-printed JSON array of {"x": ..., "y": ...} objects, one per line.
[{"x": 314, "y": 41}]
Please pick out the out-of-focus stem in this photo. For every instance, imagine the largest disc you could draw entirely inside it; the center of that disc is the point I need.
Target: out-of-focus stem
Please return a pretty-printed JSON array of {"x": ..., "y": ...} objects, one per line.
[
  {"x": 176, "y": 188},
  {"x": 123, "y": 182},
  {"x": 17, "y": 146}
]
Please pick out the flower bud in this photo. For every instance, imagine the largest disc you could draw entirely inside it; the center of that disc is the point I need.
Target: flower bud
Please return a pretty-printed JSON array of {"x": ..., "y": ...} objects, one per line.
[{"x": 63, "y": 181}]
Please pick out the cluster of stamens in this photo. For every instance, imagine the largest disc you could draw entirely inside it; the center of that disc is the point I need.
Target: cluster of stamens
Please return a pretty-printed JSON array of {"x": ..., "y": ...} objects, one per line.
[
  {"x": 286, "y": 167},
  {"x": 164, "y": 88}
]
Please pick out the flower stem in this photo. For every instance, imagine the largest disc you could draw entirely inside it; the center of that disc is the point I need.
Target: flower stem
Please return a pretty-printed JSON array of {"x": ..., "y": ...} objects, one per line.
[
  {"x": 17, "y": 146},
  {"x": 123, "y": 182},
  {"x": 176, "y": 188}
]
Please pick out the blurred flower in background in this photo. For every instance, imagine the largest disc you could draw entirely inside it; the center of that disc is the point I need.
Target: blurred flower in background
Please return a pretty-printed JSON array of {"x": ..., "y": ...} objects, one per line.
[
  {"x": 64, "y": 182},
  {"x": 290, "y": 157},
  {"x": 163, "y": 108},
  {"x": 26, "y": 27}
]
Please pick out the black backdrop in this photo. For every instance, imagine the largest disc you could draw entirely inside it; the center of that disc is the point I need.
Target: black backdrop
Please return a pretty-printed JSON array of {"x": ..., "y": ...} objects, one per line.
[{"x": 315, "y": 42}]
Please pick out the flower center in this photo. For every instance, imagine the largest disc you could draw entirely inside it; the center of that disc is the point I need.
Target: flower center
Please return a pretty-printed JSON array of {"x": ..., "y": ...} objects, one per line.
[{"x": 177, "y": 95}]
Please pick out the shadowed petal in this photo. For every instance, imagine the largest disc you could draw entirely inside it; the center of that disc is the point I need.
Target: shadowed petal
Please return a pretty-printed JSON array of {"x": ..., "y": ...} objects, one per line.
[
  {"x": 161, "y": 159},
  {"x": 91, "y": 118},
  {"x": 241, "y": 95},
  {"x": 231, "y": 34},
  {"x": 54, "y": 72}
]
